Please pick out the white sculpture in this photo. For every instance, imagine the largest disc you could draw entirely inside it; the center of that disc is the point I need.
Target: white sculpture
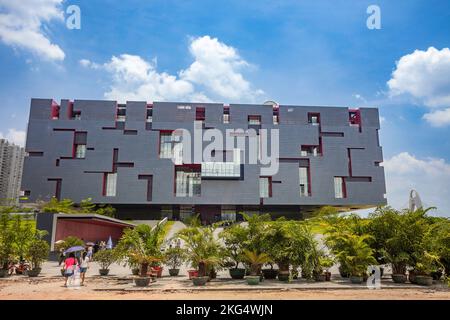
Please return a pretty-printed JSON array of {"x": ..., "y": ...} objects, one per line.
[{"x": 414, "y": 201}]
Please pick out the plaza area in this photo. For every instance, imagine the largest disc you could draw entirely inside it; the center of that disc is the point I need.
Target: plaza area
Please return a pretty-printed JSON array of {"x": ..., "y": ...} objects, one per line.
[{"x": 120, "y": 285}]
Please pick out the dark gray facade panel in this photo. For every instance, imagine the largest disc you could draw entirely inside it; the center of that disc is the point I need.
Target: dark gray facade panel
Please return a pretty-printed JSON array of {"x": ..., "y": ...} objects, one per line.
[{"x": 349, "y": 151}]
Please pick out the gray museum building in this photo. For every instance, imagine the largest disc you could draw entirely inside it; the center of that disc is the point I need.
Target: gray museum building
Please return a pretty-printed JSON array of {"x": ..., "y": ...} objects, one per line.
[{"x": 126, "y": 155}]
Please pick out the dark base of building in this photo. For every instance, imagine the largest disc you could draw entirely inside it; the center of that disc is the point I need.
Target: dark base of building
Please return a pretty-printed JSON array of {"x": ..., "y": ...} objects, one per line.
[{"x": 210, "y": 213}]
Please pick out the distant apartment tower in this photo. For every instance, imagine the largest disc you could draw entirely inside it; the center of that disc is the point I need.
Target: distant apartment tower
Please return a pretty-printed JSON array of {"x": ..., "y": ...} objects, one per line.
[
  {"x": 11, "y": 164},
  {"x": 120, "y": 154}
]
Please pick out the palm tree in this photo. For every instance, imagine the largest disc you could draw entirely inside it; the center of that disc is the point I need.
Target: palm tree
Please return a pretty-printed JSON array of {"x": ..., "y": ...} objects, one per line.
[
  {"x": 142, "y": 245},
  {"x": 202, "y": 249},
  {"x": 355, "y": 253},
  {"x": 256, "y": 260}
]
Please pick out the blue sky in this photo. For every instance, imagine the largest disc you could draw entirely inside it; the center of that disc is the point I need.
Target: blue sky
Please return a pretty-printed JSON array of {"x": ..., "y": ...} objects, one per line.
[{"x": 293, "y": 52}]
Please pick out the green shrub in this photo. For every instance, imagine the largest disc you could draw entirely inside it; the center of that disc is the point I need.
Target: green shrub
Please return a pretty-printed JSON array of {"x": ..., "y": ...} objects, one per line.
[
  {"x": 106, "y": 258},
  {"x": 37, "y": 253}
]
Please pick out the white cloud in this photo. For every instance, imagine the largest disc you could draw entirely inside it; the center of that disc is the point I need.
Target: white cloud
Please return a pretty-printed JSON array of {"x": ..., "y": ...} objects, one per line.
[
  {"x": 22, "y": 25},
  {"x": 430, "y": 177},
  {"x": 382, "y": 120},
  {"x": 14, "y": 136},
  {"x": 424, "y": 75},
  {"x": 217, "y": 67},
  {"x": 358, "y": 96},
  {"x": 439, "y": 118},
  {"x": 214, "y": 74},
  {"x": 137, "y": 79}
]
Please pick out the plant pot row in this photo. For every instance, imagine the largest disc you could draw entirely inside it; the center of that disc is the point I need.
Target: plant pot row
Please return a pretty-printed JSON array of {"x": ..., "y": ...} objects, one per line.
[{"x": 423, "y": 280}]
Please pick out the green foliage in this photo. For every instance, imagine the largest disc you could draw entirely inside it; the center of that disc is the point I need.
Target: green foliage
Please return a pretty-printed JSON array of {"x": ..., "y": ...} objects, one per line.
[
  {"x": 56, "y": 206},
  {"x": 14, "y": 208},
  {"x": 427, "y": 262},
  {"x": 234, "y": 238},
  {"x": 106, "y": 257},
  {"x": 355, "y": 253},
  {"x": 69, "y": 242},
  {"x": 174, "y": 257},
  {"x": 37, "y": 252},
  {"x": 24, "y": 234},
  {"x": 106, "y": 210},
  {"x": 6, "y": 241},
  {"x": 17, "y": 238},
  {"x": 398, "y": 236},
  {"x": 255, "y": 260},
  {"x": 87, "y": 206},
  {"x": 438, "y": 241},
  {"x": 141, "y": 246},
  {"x": 202, "y": 249}
]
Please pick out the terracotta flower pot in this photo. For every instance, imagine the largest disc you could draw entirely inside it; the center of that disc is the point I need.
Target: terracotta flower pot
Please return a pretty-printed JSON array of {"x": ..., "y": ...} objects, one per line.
[
  {"x": 158, "y": 271},
  {"x": 192, "y": 273}
]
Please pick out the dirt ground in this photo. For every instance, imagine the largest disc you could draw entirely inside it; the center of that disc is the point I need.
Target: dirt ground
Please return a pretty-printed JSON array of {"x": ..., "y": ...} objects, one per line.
[{"x": 51, "y": 289}]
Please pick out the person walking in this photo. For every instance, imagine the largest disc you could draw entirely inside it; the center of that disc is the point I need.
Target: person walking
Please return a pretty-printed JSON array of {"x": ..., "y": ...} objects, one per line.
[
  {"x": 70, "y": 265},
  {"x": 90, "y": 252},
  {"x": 84, "y": 266},
  {"x": 62, "y": 256}
]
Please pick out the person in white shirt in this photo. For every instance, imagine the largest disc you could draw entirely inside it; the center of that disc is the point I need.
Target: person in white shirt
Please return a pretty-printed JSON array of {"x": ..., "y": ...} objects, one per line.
[
  {"x": 84, "y": 266},
  {"x": 90, "y": 252}
]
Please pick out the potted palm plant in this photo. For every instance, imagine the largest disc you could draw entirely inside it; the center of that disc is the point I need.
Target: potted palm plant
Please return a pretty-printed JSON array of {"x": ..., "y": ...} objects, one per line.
[
  {"x": 327, "y": 262},
  {"x": 202, "y": 250},
  {"x": 255, "y": 260},
  {"x": 356, "y": 255},
  {"x": 425, "y": 265},
  {"x": 174, "y": 258},
  {"x": 143, "y": 246}
]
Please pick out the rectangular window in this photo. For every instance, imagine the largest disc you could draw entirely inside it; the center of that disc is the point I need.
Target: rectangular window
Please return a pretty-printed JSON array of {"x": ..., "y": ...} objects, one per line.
[
  {"x": 309, "y": 151},
  {"x": 339, "y": 188},
  {"x": 226, "y": 115},
  {"x": 254, "y": 120},
  {"x": 165, "y": 145},
  {"x": 121, "y": 112},
  {"x": 110, "y": 184},
  {"x": 187, "y": 182},
  {"x": 275, "y": 119},
  {"x": 199, "y": 114},
  {"x": 304, "y": 181},
  {"x": 76, "y": 115},
  {"x": 264, "y": 187},
  {"x": 314, "y": 119},
  {"x": 149, "y": 117},
  {"x": 80, "y": 151},
  {"x": 55, "y": 111}
]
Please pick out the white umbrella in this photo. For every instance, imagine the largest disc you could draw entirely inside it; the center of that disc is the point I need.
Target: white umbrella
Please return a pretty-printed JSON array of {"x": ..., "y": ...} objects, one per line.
[{"x": 109, "y": 244}]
